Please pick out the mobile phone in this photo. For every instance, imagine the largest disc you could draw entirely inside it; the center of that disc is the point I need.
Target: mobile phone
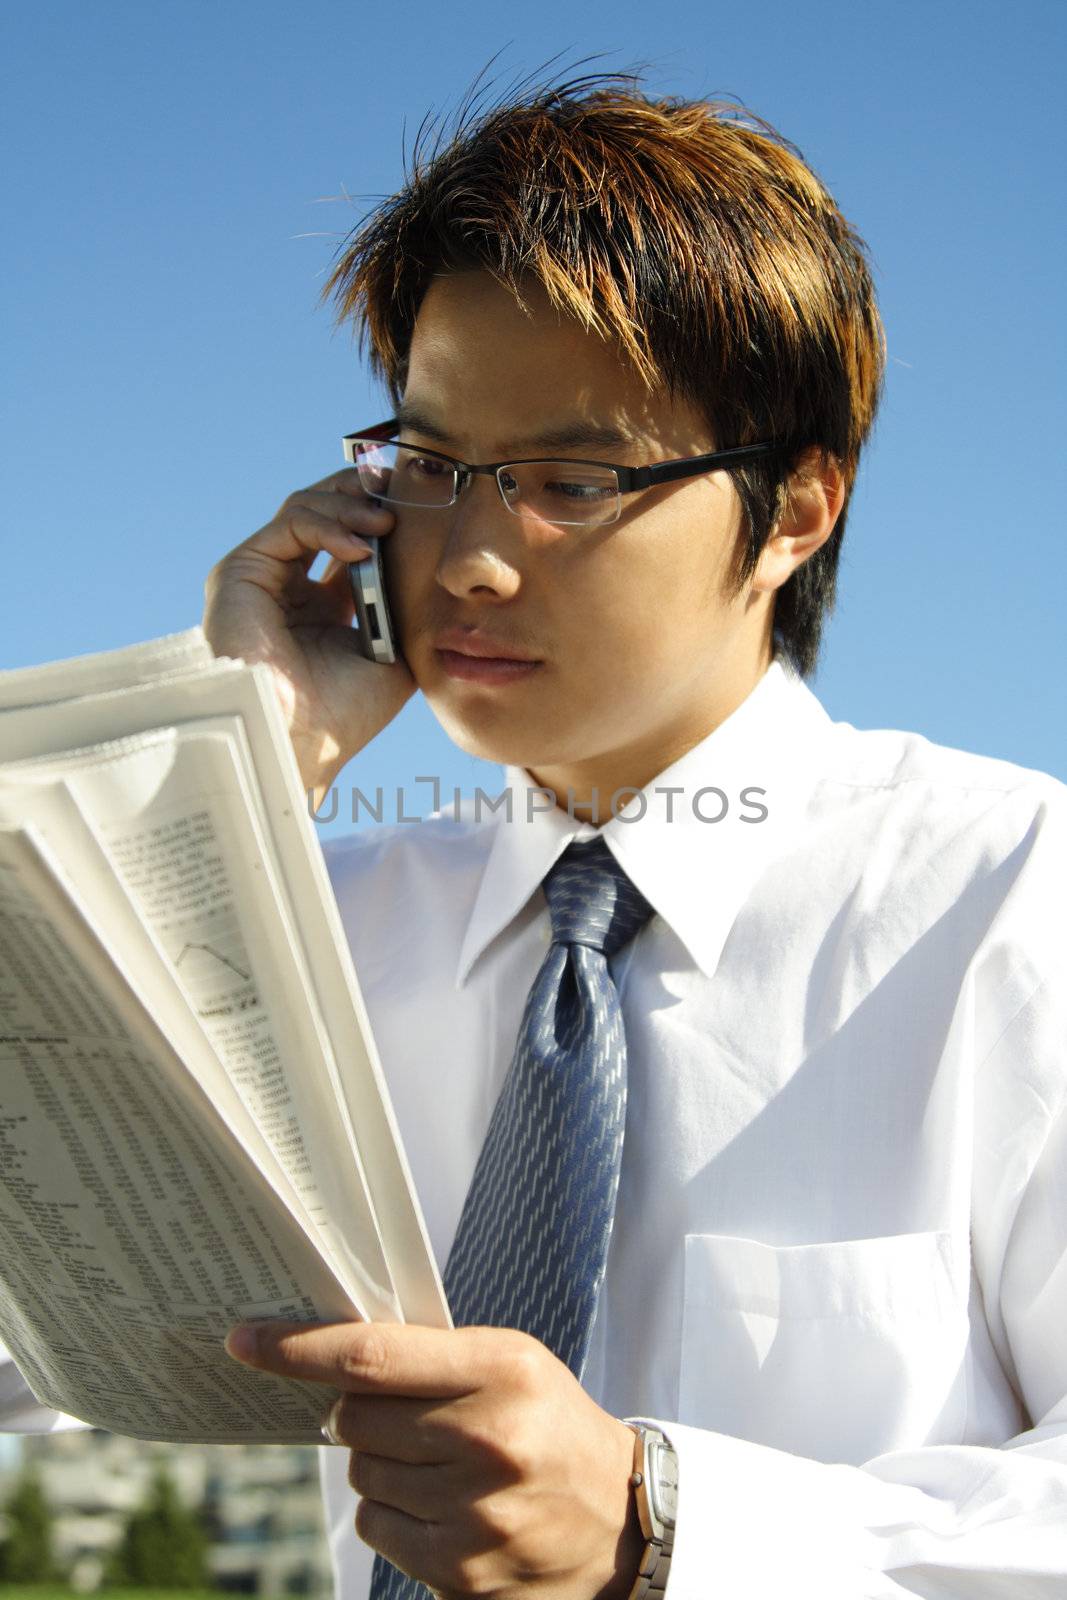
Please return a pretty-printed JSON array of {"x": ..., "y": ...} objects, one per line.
[{"x": 375, "y": 631}]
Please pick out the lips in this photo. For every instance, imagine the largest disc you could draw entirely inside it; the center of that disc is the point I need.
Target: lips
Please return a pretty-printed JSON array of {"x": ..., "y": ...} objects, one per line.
[
  {"x": 468, "y": 655},
  {"x": 482, "y": 646}
]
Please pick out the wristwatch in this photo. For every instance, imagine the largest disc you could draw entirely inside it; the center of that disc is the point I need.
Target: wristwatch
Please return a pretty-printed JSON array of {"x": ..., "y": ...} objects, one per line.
[{"x": 655, "y": 1485}]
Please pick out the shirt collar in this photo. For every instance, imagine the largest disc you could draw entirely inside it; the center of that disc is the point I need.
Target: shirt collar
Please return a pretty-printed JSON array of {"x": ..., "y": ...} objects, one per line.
[{"x": 760, "y": 763}]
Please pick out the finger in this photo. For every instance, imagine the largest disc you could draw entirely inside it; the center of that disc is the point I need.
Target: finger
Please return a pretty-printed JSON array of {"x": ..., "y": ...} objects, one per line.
[
  {"x": 352, "y": 510},
  {"x": 338, "y": 563},
  {"x": 408, "y": 1542},
  {"x": 335, "y": 525},
  {"x": 368, "y": 1357},
  {"x": 285, "y": 549},
  {"x": 447, "y": 1559},
  {"x": 345, "y": 480},
  {"x": 422, "y": 1432},
  {"x": 288, "y": 546},
  {"x": 423, "y": 1491},
  {"x": 309, "y": 522}
]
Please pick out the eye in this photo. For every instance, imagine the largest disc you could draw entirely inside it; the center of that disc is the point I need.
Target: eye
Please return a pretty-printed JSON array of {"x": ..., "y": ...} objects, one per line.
[
  {"x": 425, "y": 467},
  {"x": 575, "y": 489}
]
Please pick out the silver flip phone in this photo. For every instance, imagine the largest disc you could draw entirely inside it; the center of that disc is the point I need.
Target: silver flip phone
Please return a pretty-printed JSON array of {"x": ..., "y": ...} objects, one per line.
[{"x": 375, "y": 630}]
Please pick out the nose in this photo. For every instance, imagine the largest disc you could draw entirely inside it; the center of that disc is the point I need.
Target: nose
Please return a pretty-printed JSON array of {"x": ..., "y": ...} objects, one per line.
[{"x": 482, "y": 551}]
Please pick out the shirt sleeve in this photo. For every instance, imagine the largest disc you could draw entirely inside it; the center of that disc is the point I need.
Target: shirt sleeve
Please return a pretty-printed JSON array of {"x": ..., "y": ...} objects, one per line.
[
  {"x": 947, "y": 1522},
  {"x": 21, "y": 1411}
]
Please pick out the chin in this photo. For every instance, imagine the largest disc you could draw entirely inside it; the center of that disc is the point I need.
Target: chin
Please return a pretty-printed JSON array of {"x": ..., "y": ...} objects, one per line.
[{"x": 491, "y": 733}]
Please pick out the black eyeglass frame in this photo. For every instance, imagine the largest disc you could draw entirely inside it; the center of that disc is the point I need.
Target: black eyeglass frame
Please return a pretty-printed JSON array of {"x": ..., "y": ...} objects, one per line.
[{"x": 630, "y": 479}]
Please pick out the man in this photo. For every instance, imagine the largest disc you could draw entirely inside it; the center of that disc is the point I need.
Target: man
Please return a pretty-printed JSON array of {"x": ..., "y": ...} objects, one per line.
[{"x": 795, "y": 1156}]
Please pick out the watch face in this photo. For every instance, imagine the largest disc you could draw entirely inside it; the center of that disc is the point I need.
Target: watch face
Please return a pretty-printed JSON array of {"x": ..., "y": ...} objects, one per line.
[{"x": 663, "y": 1487}]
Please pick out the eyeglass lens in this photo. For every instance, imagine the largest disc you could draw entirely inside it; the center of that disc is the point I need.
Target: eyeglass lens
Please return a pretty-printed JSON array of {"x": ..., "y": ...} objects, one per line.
[{"x": 567, "y": 492}]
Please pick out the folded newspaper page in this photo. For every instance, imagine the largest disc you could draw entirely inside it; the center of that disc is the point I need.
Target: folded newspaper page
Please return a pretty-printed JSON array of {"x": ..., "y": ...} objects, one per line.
[{"x": 194, "y": 1126}]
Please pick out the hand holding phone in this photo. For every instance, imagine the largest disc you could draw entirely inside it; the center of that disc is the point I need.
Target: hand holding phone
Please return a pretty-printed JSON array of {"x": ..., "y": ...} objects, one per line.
[{"x": 261, "y": 605}]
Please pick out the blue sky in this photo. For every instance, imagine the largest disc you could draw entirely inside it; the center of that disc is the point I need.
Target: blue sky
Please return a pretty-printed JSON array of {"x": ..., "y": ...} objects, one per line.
[{"x": 170, "y": 377}]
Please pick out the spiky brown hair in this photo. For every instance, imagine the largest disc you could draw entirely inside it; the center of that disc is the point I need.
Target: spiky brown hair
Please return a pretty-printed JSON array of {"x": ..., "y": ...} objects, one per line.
[{"x": 692, "y": 233}]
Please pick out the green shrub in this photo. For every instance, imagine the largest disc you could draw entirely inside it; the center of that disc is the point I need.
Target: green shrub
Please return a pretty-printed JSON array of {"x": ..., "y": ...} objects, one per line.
[
  {"x": 26, "y": 1554},
  {"x": 163, "y": 1546}
]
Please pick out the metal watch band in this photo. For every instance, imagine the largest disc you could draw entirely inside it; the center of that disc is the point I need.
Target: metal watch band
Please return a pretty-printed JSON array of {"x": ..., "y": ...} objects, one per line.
[{"x": 654, "y": 1568}]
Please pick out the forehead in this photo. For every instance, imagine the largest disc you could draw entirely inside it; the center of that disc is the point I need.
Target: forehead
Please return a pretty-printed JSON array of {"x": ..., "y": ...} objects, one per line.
[
  {"x": 470, "y": 319},
  {"x": 490, "y": 366}
]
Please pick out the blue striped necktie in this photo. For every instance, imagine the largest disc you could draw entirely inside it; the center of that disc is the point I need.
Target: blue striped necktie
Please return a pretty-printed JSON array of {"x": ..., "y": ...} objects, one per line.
[{"x": 532, "y": 1242}]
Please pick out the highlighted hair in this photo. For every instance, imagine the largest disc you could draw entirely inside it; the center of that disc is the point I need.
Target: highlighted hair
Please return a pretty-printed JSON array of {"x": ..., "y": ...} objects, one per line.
[{"x": 691, "y": 233}]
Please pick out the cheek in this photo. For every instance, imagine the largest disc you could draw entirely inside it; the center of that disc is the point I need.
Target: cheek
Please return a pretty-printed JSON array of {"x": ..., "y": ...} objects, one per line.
[
  {"x": 658, "y": 607},
  {"x": 410, "y": 563}
]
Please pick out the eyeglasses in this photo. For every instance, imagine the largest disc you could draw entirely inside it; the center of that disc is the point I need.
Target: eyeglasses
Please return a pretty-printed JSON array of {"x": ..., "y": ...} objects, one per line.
[{"x": 566, "y": 493}]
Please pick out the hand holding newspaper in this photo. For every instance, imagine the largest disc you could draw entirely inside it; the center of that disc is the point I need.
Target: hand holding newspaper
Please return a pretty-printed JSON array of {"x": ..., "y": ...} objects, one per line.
[{"x": 194, "y": 1125}]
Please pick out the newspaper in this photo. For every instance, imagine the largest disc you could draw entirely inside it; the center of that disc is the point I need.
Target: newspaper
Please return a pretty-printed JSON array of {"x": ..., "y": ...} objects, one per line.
[{"x": 194, "y": 1124}]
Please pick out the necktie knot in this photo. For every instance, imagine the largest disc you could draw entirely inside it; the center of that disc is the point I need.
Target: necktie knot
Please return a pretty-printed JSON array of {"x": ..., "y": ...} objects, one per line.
[{"x": 591, "y": 899}]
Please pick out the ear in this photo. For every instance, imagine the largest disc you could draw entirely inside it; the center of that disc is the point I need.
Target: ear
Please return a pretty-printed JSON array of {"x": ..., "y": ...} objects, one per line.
[{"x": 815, "y": 495}]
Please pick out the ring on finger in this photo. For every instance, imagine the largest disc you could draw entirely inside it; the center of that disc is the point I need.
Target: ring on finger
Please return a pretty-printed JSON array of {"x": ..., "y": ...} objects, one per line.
[{"x": 332, "y": 1422}]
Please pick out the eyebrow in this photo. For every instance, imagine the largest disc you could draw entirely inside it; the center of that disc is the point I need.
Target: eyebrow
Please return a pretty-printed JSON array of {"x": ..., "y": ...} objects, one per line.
[{"x": 566, "y": 435}]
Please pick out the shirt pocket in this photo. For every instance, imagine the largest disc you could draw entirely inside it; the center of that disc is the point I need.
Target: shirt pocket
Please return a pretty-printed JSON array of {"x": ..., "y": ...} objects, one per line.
[{"x": 838, "y": 1352}]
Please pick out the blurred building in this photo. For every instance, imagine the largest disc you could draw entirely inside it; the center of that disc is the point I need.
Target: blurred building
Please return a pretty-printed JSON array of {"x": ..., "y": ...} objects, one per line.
[{"x": 260, "y": 1503}]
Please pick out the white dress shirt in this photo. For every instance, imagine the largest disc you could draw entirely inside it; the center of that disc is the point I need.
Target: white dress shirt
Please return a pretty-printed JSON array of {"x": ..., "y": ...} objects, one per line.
[{"x": 838, "y": 1272}]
